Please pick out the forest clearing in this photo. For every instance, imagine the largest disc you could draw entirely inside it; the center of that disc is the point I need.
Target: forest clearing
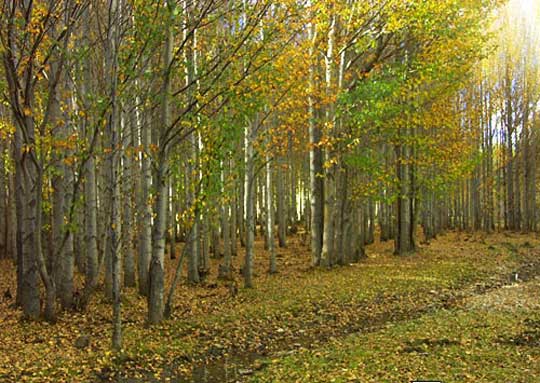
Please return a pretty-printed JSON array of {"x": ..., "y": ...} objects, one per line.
[{"x": 269, "y": 191}]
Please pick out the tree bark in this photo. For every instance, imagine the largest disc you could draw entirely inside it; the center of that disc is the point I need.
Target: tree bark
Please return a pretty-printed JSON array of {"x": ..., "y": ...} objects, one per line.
[
  {"x": 157, "y": 262},
  {"x": 128, "y": 229},
  {"x": 327, "y": 253},
  {"x": 272, "y": 267},
  {"x": 145, "y": 209},
  {"x": 3, "y": 204},
  {"x": 281, "y": 211},
  {"x": 249, "y": 202}
]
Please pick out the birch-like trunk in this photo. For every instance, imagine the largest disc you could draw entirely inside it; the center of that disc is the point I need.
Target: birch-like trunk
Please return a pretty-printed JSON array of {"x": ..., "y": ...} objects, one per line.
[
  {"x": 403, "y": 243},
  {"x": 272, "y": 268},
  {"x": 207, "y": 233},
  {"x": 193, "y": 172},
  {"x": 145, "y": 208},
  {"x": 327, "y": 253},
  {"x": 55, "y": 261},
  {"x": 173, "y": 224},
  {"x": 29, "y": 273},
  {"x": 90, "y": 211},
  {"x": 225, "y": 266},
  {"x": 114, "y": 175},
  {"x": 281, "y": 209},
  {"x": 315, "y": 162},
  {"x": 128, "y": 224},
  {"x": 67, "y": 259},
  {"x": 157, "y": 262},
  {"x": 249, "y": 203}
]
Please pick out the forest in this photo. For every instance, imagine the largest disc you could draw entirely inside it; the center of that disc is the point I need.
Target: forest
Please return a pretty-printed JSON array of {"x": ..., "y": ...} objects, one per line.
[{"x": 269, "y": 191}]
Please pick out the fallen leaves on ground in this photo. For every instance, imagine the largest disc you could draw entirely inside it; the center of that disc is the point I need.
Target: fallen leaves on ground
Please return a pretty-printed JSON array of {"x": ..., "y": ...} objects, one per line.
[
  {"x": 297, "y": 310},
  {"x": 468, "y": 344}
]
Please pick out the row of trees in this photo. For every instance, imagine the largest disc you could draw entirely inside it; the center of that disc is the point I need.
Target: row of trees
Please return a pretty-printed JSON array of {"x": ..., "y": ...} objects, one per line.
[{"x": 129, "y": 125}]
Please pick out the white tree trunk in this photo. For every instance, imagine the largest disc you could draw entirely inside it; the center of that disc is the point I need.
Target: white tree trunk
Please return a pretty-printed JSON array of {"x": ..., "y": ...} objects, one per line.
[
  {"x": 145, "y": 209},
  {"x": 327, "y": 254},
  {"x": 114, "y": 177},
  {"x": 270, "y": 217},
  {"x": 157, "y": 264},
  {"x": 315, "y": 162},
  {"x": 249, "y": 203}
]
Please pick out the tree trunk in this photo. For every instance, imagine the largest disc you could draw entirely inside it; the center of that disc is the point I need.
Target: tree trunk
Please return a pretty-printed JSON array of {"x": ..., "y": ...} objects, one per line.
[
  {"x": 12, "y": 221},
  {"x": 249, "y": 202},
  {"x": 29, "y": 288},
  {"x": 18, "y": 190},
  {"x": 315, "y": 162},
  {"x": 128, "y": 223},
  {"x": 67, "y": 259},
  {"x": 90, "y": 210},
  {"x": 145, "y": 210},
  {"x": 114, "y": 177},
  {"x": 241, "y": 214},
  {"x": 327, "y": 253},
  {"x": 206, "y": 233},
  {"x": 281, "y": 212},
  {"x": 193, "y": 259},
  {"x": 3, "y": 205},
  {"x": 157, "y": 262},
  {"x": 403, "y": 242},
  {"x": 341, "y": 246},
  {"x": 530, "y": 180},
  {"x": 173, "y": 223},
  {"x": 272, "y": 267},
  {"x": 225, "y": 267},
  {"x": 234, "y": 225}
]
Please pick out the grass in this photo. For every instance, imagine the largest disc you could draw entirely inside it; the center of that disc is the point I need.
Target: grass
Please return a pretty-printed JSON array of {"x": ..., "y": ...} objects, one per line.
[
  {"x": 297, "y": 306},
  {"x": 470, "y": 344}
]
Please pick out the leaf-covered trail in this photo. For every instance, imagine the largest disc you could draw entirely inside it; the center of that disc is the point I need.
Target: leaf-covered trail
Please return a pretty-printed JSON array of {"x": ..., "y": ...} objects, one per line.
[{"x": 293, "y": 312}]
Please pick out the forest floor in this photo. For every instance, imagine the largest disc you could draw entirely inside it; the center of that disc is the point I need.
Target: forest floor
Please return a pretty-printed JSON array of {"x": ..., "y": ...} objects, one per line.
[{"x": 463, "y": 309}]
